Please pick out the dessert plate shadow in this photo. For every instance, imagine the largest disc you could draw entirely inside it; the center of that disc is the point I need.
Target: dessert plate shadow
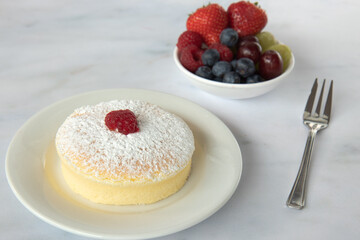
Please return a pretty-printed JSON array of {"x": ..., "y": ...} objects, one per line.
[{"x": 33, "y": 172}]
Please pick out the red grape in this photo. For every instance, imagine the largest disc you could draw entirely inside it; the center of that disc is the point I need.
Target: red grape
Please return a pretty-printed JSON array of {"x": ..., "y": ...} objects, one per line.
[
  {"x": 270, "y": 64},
  {"x": 250, "y": 50},
  {"x": 248, "y": 39}
]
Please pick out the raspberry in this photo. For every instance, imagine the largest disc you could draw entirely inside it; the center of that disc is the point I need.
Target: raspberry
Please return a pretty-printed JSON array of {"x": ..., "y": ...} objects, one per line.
[
  {"x": 189, "y": 37},
  {"x": 124, "y": 121},
  {"x": 225, "y": 53},
  {"x": 190, "y": 57}
]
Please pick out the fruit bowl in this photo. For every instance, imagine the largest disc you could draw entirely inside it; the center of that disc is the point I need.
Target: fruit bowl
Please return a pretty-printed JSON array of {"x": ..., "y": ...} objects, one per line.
[{"x": 236, "y": 90}]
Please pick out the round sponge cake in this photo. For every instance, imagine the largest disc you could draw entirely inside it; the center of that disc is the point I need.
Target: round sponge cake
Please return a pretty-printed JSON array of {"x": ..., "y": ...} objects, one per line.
[{"x": 109, "y": 167}]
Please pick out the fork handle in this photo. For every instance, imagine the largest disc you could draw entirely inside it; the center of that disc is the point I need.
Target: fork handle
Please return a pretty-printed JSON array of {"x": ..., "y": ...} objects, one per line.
[{"x": 296, "y": 198}]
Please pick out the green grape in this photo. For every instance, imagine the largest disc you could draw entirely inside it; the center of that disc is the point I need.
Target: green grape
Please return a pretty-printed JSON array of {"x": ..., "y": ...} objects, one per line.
[
  {"x": 285, "y": 53},
  {"x": 266, "y": 39}
]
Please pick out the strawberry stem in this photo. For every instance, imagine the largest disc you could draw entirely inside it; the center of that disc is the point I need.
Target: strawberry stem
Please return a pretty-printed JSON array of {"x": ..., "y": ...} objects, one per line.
[{"x": 257, "y": 4}]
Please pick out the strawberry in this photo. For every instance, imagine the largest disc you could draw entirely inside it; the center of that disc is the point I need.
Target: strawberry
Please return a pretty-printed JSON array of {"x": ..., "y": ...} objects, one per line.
[
  {"x": 246, "y": 18},
  {"x": 209, "y": 21}
]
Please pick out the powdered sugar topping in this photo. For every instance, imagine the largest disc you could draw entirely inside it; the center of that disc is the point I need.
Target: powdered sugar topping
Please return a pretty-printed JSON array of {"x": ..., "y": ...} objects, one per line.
[{"x": 163, "y": 146}]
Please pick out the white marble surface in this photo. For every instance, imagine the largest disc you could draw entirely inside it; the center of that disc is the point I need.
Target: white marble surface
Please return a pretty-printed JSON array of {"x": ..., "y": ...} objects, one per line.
[{"x": 50, "y": 50}]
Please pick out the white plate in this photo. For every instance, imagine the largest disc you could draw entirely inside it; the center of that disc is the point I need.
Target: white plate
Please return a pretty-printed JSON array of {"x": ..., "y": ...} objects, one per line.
[{"x": 33, "y": 173}]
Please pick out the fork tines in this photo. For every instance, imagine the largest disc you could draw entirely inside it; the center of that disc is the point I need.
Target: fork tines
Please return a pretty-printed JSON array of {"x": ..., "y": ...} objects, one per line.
[{"x": 310, "y": 102}]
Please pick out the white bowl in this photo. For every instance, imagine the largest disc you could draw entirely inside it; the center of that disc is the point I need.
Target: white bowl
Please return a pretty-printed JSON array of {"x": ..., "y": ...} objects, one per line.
[{"x": 233, "y": 91}]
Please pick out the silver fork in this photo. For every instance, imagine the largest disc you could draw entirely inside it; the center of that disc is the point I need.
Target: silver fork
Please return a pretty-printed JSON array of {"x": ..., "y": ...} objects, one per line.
[{"x": 315, "y": 121}]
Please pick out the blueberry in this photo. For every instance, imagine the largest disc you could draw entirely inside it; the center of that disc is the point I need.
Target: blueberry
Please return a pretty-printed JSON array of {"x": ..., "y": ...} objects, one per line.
[
  {"x": 254, "y": 79},
  {"x": 233, "y": 63},
  {"x": 231, "y": 77},
  {"x": 245, "y": 67},
  {"x": 218, "y": 79},
  {"x": 210, "y": 57},
  {"x": 205, "y": 72},
  {"x": 229, "y": 37},
  {"x": 220, "y": 68}
]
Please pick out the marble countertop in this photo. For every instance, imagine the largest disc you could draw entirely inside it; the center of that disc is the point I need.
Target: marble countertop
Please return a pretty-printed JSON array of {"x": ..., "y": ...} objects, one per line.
[{"x": 57, "y": 49}]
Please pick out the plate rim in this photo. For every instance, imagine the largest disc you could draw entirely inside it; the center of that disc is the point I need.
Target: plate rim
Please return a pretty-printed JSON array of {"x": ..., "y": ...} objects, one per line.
[{"x": 74, "y": 230}]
